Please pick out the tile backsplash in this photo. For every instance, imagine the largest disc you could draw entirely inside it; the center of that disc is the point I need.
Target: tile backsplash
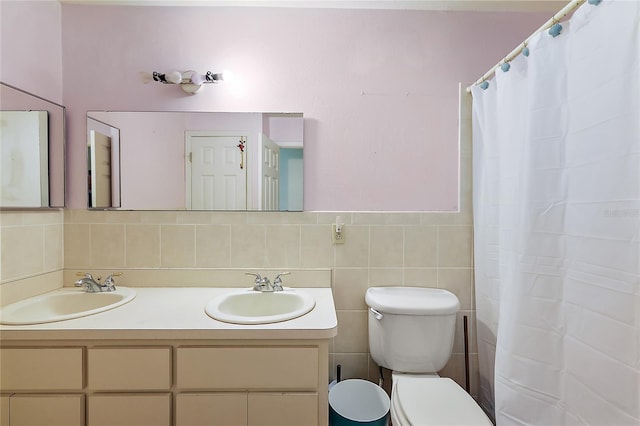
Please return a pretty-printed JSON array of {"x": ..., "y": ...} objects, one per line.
[
  {"x": 381, "y": 249},
  {"x": 32, "y": 252}
]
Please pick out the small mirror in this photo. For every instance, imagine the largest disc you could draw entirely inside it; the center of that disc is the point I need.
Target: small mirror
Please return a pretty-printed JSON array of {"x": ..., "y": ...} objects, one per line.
[
  {"x": 195, "y": 160},
  {"x": 31, "y": 149},
  {"x": 24, "y": 142}
]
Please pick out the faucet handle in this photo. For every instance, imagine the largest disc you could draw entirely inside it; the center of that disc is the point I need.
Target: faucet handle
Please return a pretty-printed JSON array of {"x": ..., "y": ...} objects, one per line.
[
  {"x": 277, "y": 281},
  {"x": 84, "y": 275},
  {"x": 113, "y": 274},
  {"x": 257, "y": 282},
  {"x": 280, "y": 274},
  {"x": 109, "y": 282},
  {"x": 89, "y": 276}
]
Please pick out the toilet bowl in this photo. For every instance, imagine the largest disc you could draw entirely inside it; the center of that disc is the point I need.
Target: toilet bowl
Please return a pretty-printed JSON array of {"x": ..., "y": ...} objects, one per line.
[
  {"x": 411, "y": 332},
  {"x": 424, "y": 399}
]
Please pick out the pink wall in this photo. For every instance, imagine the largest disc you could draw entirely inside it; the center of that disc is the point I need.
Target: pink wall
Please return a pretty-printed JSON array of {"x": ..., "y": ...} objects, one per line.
[
  {"x": 378, "y": 88},
  {"x": 30, "y": 43}
]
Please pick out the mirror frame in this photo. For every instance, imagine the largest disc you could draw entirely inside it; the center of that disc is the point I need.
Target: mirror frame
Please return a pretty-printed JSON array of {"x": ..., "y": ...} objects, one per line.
[{"x": 23, "y": 100}]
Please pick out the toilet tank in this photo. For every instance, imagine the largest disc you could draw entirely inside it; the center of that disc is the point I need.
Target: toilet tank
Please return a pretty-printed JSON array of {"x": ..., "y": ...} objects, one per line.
[{"x": 411, "y": 329}]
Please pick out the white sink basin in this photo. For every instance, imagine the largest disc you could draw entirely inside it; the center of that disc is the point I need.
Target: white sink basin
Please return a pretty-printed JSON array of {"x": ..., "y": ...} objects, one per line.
[
  {"x": 254, "y": 307},
  {"x": 63, "y": 304}
]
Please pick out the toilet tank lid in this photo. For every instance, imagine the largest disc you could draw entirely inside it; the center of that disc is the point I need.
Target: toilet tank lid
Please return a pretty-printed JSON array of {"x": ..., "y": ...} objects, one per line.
[{"x": 412, "y": 300}]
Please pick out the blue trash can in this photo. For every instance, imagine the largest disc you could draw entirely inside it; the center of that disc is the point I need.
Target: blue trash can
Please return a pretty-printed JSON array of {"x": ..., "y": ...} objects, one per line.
[{"x": 356, "y": 402}]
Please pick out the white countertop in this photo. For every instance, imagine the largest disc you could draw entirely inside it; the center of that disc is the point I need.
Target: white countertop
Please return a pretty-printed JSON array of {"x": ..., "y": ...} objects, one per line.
[{"x": 178, "y": 313}]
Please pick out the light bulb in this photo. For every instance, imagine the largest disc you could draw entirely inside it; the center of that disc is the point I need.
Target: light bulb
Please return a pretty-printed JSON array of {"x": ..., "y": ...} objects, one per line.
[
  {"x": 197, "y": 78},
  {"x": 227, "y": 76},
  {"x": 173, "y": 77}
]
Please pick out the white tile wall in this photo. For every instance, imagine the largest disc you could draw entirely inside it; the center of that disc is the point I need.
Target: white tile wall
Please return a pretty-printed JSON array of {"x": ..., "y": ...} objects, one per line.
[{"x": 31, "y": 252}]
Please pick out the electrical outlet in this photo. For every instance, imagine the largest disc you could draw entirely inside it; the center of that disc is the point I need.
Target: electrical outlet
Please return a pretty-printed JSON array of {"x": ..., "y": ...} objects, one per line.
[{"x": 337, "y": 237}]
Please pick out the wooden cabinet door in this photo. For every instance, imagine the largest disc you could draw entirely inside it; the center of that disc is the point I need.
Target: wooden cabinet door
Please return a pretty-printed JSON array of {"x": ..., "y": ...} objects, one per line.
[
  {"x": 247, "y": 368},
  {"x": 4, "y": 410},
  {"x": 211, "y": 409},
  {"x": 129, "y": 410},
  {"x": 277, "y": 409},
  {"x": 49, "y": 410}
]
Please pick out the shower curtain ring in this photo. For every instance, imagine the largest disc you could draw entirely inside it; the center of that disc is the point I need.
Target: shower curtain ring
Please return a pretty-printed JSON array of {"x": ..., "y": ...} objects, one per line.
[{"x": 556, "y": 28}]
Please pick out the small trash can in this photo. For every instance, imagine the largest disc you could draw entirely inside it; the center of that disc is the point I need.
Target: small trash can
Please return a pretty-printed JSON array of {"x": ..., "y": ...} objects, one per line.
[{"x": 356, "y": 402}]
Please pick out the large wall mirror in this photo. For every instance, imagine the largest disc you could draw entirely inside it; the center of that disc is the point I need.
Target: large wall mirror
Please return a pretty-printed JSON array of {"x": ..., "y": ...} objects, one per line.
[
  {"x": 195, "y": 160},
  {"x": 32, "y": 147}
]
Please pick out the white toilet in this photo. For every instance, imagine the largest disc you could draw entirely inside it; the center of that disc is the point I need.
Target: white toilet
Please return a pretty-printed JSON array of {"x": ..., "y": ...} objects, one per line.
[{"x": 411, "y": 332}]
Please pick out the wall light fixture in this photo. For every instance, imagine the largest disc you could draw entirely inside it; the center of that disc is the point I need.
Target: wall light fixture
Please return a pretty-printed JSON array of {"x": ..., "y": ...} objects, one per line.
[{"x": 189, "y": 81}]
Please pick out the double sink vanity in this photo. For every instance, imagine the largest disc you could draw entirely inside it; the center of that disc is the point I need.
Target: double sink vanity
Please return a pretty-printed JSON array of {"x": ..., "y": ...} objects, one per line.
[
  {"x": 206, "y": 352},
  {"x": 167, "y": 356}
]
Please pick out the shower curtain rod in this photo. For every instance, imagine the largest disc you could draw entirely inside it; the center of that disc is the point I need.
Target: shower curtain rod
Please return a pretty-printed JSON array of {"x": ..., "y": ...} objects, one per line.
[{"x": 515, "y": 52}]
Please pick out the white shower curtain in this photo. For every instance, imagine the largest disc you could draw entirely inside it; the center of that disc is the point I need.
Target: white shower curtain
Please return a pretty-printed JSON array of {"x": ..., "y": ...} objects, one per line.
[{"x": 556, "y": 158}]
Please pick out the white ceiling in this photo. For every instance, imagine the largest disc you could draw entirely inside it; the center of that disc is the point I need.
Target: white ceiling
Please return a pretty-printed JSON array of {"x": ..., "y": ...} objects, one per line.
[{"x": 550, "y": 6}]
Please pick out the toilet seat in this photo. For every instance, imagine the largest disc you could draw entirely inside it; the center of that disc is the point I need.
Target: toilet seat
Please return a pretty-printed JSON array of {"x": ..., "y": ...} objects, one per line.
[{"x": 423, "y": 400}]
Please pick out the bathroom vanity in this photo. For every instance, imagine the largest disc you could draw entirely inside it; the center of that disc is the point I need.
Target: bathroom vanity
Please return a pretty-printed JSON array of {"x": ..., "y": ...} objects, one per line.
[{"x": 160, "y": 360}]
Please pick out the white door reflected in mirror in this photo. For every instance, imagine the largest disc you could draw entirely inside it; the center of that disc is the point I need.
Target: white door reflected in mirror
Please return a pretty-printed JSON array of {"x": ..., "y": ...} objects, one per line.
[
  {"x": 103, "y": 165},
  {"x": 24, "y": 151},
  {"x": 216, "y": 173},
  {"x": 100, "y": 170},
  {"x": 269, "y": 190}
]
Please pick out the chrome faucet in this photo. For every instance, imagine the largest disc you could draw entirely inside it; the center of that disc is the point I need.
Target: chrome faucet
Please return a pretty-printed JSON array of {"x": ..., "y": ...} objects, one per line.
[
  {"x": 92, "y": 285},
  {"x": 261, "y": 283},
  {"x": 264, "y": 285}
]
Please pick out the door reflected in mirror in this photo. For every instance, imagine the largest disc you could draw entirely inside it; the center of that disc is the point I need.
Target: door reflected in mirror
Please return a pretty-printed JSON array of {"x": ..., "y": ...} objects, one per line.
[
  {"x": 195, "y": 160},
  {"x": 24, "y": 180},
  {"x": 32, "y": 150},
  {"x": 103, "y": 165}
]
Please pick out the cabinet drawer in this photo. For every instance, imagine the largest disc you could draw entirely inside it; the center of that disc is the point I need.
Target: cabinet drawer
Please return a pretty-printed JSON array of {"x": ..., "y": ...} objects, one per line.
[
  {"x": 210, "y": 409},
  {"x": 127, "y": 369},
  {"x": 129, "y": 410},
  {"x": 277, "y": 409},
  {"x": 248, "y": 368},
  {"x": 50, "y": 410},
  {"x": 38, "y": 369}
]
